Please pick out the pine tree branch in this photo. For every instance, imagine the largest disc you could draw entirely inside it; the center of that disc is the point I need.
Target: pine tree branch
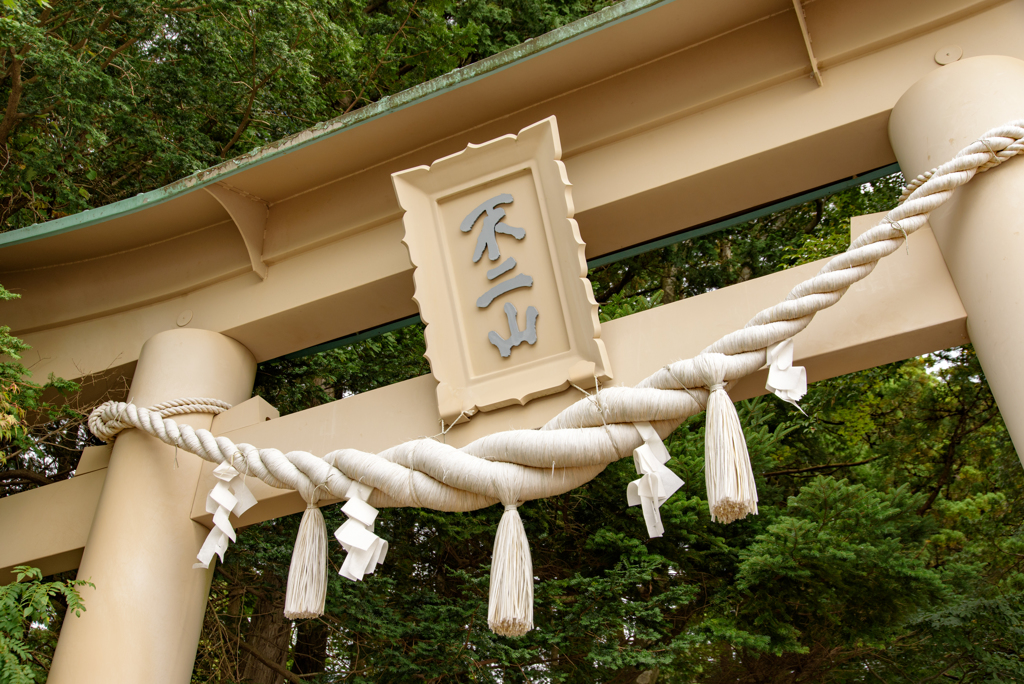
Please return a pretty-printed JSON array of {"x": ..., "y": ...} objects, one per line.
[
  {"x": 374, "y": 6},
  {"x": 27, "y": 475},
  {"x": 618, "y": 287},
  {"x": 794, "y": 471},
  {"x": 287, "y": 674},
  {"x": 113, "y": 55}
]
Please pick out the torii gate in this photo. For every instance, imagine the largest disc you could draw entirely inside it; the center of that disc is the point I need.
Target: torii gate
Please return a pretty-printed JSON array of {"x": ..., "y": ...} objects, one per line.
[{"x": 672, "y": 114}]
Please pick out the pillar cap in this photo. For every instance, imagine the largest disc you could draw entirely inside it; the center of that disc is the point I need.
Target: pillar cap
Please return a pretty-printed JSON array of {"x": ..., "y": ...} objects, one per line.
[
  {"x": 952, "y": 107},
  {"x": 189, "y": 362}
]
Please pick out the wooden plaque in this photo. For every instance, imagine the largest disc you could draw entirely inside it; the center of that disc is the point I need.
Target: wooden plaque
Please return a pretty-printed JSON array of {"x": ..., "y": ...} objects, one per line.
[{"x": 501, "y": 277}]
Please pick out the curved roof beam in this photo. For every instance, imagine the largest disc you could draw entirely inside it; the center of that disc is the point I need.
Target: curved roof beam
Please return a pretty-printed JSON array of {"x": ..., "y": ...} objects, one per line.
[{"x": 250, "y": 216}]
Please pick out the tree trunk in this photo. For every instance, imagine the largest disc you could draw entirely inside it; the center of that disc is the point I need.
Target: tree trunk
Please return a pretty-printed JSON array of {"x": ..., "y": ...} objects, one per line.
[
  {"x": 670, "y": 284},
  {"x": 310, "y": 648},
  {"x": 270, "y": 635},
  {"x": 648, "y": 677}
]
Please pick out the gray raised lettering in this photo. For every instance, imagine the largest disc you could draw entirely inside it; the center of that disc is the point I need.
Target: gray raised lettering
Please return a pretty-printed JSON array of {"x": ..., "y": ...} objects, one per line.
[
  {"x": 492, "y": 224},
  {"x": 516, "y": 336},
  {"x": 521, "y": 280}
]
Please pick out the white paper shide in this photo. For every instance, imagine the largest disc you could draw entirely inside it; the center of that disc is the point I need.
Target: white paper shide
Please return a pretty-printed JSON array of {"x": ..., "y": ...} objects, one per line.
[
  {"x": 657, "y": 483},
  {"x": 228, "y": 496},
  {"x": 365, "y": 549}
]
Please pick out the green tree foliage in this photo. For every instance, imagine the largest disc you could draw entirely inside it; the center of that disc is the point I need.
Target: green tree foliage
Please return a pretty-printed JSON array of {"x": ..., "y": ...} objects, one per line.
[
  {"x": 30, "y": 414},
  {"x": 293, "y": 385},
  {"x": 12, "y": 413},
  {"x": 780, "y": 240},
  {"x": 31, "y": 611},
  {"x": 104, "y": 99},
  {"x": 888, "y": 546}
]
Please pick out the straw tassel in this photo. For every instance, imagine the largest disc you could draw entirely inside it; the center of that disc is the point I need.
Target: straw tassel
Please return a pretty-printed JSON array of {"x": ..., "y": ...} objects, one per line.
[
  {"x": 307, "y": 576},
  {"x": 510, "y": 608},
  {"x": 732, "y": 493}
]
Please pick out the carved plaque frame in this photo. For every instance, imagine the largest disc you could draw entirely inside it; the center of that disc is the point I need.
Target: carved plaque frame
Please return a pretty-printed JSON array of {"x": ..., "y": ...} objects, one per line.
[{"x": 472, "y": 372}]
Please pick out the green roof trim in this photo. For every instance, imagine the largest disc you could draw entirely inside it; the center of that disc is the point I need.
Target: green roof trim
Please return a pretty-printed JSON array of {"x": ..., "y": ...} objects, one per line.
[{"x": 438, "y": 86}]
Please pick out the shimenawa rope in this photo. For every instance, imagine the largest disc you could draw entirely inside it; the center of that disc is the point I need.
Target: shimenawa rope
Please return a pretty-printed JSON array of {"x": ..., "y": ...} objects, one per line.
[{"x": 518, "y": 465}]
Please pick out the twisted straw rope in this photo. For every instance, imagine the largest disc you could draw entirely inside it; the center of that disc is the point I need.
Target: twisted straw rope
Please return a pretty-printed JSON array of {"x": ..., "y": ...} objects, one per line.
[{"x": 593, "y": 432}]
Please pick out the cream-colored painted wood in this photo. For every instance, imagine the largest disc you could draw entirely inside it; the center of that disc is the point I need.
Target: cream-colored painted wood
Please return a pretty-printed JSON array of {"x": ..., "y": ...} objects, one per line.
[
  {"x": 980, "y": 230},
  {"x": 922, "y": 313},
  {"x": 249, "y": 412},
  {"x": 141, "y": 543},
  {"x": 250, "y": 216},
  {"x": 458, "y": 261},
  {"x": 47, "y": 527},
  {"x": 93, "y": 458},
  {"x": 720, "y": 120}
]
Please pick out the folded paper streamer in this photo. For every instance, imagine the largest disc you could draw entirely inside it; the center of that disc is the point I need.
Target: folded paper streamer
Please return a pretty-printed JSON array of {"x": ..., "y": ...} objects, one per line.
[
  {"x": 788, "y": 382},
  {"x": 365, "y": 549},
  {"x": 657, "y": 483},
  {"x": 228, "y": 496}
]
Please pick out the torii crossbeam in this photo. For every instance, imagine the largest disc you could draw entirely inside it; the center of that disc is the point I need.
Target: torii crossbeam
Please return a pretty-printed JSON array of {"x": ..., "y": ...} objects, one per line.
[{"x": 671, "y": 116}]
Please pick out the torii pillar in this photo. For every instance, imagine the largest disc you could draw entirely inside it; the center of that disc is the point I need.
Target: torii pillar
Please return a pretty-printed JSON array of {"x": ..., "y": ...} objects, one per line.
[
  {"x": 980, "y": 229},
  {"x": 143, "y": 621}
]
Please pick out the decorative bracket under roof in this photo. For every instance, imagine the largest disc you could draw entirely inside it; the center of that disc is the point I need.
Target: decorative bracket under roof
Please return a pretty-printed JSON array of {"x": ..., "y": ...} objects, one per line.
[
  {"x": 802, "y": 18},
  {"x": 250, "y": 216}
]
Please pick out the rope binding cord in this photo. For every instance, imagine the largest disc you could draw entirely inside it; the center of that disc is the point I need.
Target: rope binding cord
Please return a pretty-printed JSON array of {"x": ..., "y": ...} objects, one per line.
[{"x": 517, "y": 465}]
